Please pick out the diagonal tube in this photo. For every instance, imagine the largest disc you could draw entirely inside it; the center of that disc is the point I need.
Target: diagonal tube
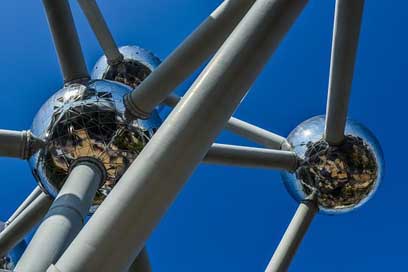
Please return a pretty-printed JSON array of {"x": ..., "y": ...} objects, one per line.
[
  {"x": 246, "y": 130},
  {"x": 146, "y": 190},
  {"x": 101, "y": 30},
  {"x": 186, "y": 58},
  {"x": 24, "y": 222},
  {"x": 346, "y": 31},
  {"x": 64, "y": 219},
  {"x": 293, "y": 237},
  {"x": 66, "y": 40},
  {"x": 251, "y": 157},
  {"x": 257, "y": 134},
  {"x": 31, "y": 197}
]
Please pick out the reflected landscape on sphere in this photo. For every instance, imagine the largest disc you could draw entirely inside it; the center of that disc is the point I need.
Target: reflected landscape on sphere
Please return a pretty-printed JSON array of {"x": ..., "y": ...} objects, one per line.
[
  {"x": 88, "y": 121},
  {"x": 137, "y": 64},
  {"x": 343, "y": 177}
]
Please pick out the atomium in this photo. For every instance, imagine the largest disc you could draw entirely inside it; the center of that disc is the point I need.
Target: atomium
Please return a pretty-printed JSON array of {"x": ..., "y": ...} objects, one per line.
[
  {"x": 88, "y": 121},
  {"x": 328, "y": 168},
  {"x": 343, "y": 177}
]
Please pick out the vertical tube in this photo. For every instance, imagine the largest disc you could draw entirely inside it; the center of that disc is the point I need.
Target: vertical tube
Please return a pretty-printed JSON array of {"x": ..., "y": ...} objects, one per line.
[
  {"x": 64, "y": 219},
  {"x": 101, "y": 30},
  {"x": 347, "y": 24},
  {"x": 293, "y": 237},
  {"x": 66, "y": 40},
  {"x": 187, "y": 57},
  {"x": 157, "y": 175},
  {"x": 23, "y": 223}
]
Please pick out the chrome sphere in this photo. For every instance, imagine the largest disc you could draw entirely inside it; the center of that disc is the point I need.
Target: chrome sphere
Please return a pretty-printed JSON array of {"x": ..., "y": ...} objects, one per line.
[
  {"x": 137, "y": 64},
  {"x": 342, "y": 177},
  {"x": 9, "y": 261},
  {"x": 88, "y": 121}
]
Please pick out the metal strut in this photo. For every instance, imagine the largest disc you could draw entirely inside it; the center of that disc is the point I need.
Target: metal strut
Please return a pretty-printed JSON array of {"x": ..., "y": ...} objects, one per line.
[
  {"x": 186, "y": 58},
  {"x": 19, "y": 144},
  {"x": 346, "y": 31},
  {"x": 101, "y": 30},
  {"x": 66, "y": 40},
  {"x": 64, "y": 219},
  {"x": 293, "y": 236}
]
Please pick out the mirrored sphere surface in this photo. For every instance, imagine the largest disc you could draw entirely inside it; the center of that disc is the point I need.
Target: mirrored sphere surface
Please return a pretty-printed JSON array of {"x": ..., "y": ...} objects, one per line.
[
  {"x": 9, "y": 261},
  {"x": 88, "y": 121},
  {"x": 342, "y": 177},
  {"x": 137, "y": 64}
]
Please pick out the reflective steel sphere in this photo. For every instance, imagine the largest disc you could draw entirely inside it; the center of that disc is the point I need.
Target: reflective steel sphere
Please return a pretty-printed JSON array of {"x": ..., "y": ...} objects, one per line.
[
  {"x": 137, "y": 64},
  {"x": 9, "y": 261},
  {"x": 342, "y": 177},
  {"x": 88, "y": 121}
]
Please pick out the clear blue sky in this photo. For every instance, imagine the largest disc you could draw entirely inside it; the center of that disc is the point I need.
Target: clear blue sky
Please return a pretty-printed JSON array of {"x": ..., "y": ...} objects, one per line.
[{"x": 231, "y": 219}]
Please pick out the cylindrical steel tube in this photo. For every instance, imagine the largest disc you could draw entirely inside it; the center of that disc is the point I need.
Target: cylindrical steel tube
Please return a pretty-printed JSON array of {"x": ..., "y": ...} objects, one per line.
[
  {"x": 18, "y": 144},
  {"x": 293, "y": 236},
  {"x": 64, "y": 219},
  {"x": 251, "y": 157},
  {"x": 256, "y": 134},
  {"x": 66, "y": 40},
  {"x": 101, "y": 30},
  {"x": 24, "y": 222},
  {"x": 186, "y": 58},
  {"x": 31, "y": 197},
  {"x": 347, "y": 24}
]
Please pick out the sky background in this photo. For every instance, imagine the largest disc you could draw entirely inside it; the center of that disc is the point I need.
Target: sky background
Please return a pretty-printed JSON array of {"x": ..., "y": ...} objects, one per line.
[{"x": 231, "y": 219}]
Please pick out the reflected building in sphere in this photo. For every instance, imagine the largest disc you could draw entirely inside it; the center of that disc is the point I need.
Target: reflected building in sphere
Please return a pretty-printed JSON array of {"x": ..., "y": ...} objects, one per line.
[
  {"x": 87, "y": 121},
  {"x": 342, "y": 177},
  {"x": 137, "y": 64}
]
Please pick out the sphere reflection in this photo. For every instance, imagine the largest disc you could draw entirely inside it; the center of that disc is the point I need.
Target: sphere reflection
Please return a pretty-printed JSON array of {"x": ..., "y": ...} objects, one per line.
[
  {"x": 343, "y": 177},
  {"x": 137, "y": 64},
  {"x": 88, "y": 121}
]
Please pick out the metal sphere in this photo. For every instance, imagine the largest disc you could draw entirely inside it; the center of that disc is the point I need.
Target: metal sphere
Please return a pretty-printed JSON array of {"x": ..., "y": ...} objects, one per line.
[
  {"x": 342, "y": 177},
  {"x": 9, "y": 261},
  {"x": 88, "y": 121},
  {"x": 137, "y": 64}
]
